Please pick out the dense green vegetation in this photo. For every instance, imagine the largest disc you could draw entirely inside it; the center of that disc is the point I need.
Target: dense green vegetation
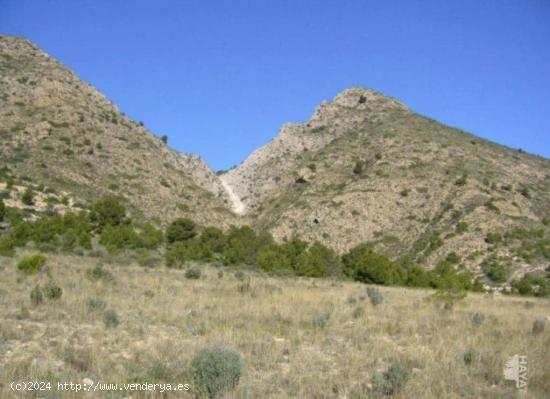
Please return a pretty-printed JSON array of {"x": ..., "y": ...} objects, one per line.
[{"x": 106, "y": 226}]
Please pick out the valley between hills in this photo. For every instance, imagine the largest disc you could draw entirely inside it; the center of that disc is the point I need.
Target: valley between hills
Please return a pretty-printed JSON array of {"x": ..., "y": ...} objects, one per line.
[{"x": 367, "y": 252}]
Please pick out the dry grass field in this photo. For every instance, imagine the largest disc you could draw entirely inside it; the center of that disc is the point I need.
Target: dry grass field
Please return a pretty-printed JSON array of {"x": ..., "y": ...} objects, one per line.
[{"x": 299, "y": 338}]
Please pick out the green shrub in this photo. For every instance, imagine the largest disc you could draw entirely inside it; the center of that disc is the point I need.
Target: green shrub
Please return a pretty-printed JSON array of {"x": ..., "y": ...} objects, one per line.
[
  {"x": 531, "y": 285},
  {"x": 52, "y": 291},
  {"x": 7, "y": 245},
  {"x": 493, "y": 238},
  {"x": 36, "y": 296},
  {"x": 495, "y": 270},
  {"x": 108, "y": 211},
  {"x": 180, "y": 230},
  {"x": 110, "y": 318},
  {"x": 469, "y": 357},
  {"x": 525, "y": 192},
  {"x": 404, "y": 193},
  {"x": 462, "y": 180},
  {"x": 362, "y": 264},
  {"x": 375, "y": 296},
  {"x": 31, "y": 264},
  {"x": 145, "y": 259},
  {"x": 215, "y": 371},
  {"x": 292, "y": 250},
  {"x": 213, "y": 240},
  {"x": 2, "y": 210},
  {"x": 193, "y": 273},
  {"x": 179, "y": 253},
  {"x": 150, "y": 237},
  {"x": 447, "y": 276},
  {"x": 176, "y": 255},
  {"x": 461, "y": 227},
  {"x": 274, "y": 261},
  {"x": 358, "y": 168},
  {"x": 358, "y": 312},
  {"x": 28, "y": 197},
  {"x": 507, "y": 187},
  {"x": 243, "y": 245},
  {"x": 115, "y": 238},
  {"x": 453, "y": 258},
  {"x": 318, "y": 261},
  {"x": 490, "y": 205},
  {"x": 417, "y": 276}
]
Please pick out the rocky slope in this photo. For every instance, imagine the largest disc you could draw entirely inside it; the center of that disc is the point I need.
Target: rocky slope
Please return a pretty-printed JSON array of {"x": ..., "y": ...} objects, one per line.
[
  {"x": 58, "y": 131},
  {"x": 366, "y": 168},
  {"x": 363, "y": 168}
]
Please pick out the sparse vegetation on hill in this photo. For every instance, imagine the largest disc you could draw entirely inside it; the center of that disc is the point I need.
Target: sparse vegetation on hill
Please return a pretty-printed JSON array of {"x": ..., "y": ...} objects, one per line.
[
  {"x": 107, "y": 225},
  {"x": 58, "y": 131},
  {"x": 122, "y": 261}
]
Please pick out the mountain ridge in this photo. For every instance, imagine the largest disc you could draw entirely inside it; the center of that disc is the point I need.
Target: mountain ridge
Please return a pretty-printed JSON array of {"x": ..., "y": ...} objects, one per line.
[
  {"x": 363, "y": 168},
  {"x": 49, "y": 111}
]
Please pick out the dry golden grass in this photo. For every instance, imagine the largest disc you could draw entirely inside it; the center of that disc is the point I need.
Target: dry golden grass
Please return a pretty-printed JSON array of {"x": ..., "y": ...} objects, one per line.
[{"x": 277, "y": 326}]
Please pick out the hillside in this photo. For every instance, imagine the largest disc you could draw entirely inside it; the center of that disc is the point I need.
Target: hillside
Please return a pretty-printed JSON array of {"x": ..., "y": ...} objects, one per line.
[
  {"x": 367, "y": 168},
  {"x": 58, "y": 132},
  {"x": 363, "y": 168}
]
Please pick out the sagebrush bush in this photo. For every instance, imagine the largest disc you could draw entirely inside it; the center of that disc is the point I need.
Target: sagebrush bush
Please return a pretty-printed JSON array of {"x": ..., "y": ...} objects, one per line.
[
  {"x": 538, "y": 326},
  {"x": 95, "y": 304},
  {"x": 193, "y": 273},
  {"x": 478, "y": 319},
  {"x": 375, "y": 296},
  {"x": 239, "y": 275},
  {"x": 36, "y": 296},
  {"x": 110, "y": 318},
  {"x": 351, "y": 300},
  {"x": 99, "y": 273},
  {"x": 358, "y": 312},
  {"x": 52, "y": 291},
  {"x": 321, "y": 320},
  {"x": 393, "y": 380},
  {"x": 215, "y": 371},
  {"x": 31, "y": 264}
]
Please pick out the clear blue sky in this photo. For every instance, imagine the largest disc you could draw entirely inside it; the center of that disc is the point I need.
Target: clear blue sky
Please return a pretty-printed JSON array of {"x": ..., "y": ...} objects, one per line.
[{"x": 221, "y": 77}]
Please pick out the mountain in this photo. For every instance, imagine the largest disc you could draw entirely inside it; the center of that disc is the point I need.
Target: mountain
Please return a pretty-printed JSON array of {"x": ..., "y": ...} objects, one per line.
[
  {"x": 365, "y": 167},
  {"x": 59, "y": 132}
]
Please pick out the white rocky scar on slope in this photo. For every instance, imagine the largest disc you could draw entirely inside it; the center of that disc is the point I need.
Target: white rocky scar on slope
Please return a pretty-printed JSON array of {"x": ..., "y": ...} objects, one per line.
[{"x": 236, "y": 204}]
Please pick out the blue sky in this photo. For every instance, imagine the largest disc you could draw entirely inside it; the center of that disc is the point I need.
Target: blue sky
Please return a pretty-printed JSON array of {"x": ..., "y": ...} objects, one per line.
[{"x": 221, "y": 77}]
